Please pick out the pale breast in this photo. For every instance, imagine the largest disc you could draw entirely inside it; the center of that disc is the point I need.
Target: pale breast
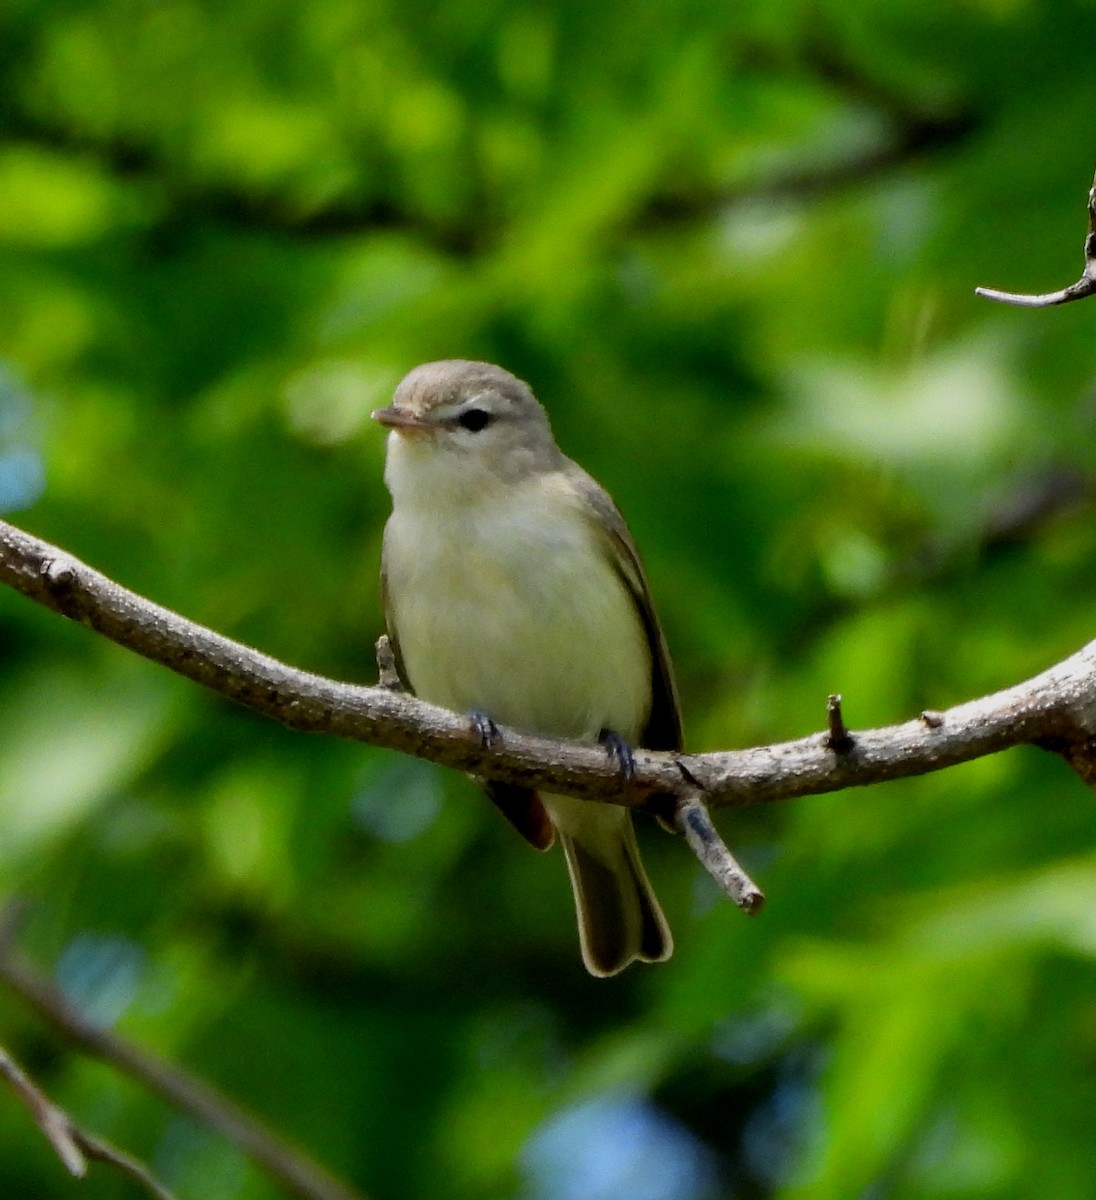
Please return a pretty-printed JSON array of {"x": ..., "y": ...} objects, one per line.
[{"x": 519, "y": 616}]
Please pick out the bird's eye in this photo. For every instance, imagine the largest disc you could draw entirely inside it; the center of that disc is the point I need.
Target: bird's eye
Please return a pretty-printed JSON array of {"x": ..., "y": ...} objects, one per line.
[{"x": 474, "y": 419}]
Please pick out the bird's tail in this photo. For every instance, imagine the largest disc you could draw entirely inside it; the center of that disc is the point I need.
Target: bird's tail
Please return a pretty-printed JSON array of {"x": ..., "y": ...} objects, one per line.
[{"x": 619, "y": 918}]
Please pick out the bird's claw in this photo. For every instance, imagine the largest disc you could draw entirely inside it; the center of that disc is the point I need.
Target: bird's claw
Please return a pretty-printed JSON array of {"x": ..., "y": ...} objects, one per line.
[
  {"x": 620, "y": 752},
  {"x": 484, "y": 728}
]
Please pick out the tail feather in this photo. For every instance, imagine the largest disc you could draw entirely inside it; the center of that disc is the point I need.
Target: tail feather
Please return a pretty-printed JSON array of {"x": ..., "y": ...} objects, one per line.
[{"x": 619, "y": 918}]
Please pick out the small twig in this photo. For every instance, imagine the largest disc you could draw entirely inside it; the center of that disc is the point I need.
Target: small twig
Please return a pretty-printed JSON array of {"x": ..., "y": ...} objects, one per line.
[
  {"x": 103, "y": 1151},
  {"x": 73, "y": 1145},
  {"x": 51, "y": 1120},
  {"x": 388, "y": 674},
  {"x": 1085, "y": 286},
  {"x": 295, "y": 1171},
  {"x": 839, "y": 740},
  {"x": 704, "y": 840}
]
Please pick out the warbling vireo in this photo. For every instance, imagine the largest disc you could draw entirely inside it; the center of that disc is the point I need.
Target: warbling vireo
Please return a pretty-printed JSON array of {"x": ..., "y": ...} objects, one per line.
[{"x": 513, "y": 591}]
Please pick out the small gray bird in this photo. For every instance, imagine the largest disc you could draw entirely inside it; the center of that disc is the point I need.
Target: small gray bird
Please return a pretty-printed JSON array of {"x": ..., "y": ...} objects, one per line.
[{"x": 513, "y": 591}]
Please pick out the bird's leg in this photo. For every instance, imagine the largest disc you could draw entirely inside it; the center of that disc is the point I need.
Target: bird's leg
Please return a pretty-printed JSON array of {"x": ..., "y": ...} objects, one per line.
[
  {"x": 484, "y": 728},
  {"x": 620, "y": 752}
]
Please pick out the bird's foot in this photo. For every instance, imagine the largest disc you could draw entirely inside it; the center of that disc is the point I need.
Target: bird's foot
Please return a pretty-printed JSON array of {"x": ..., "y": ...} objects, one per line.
[
  {"x": 620, "y": 752},
  {"x": 484, "y": 728}
]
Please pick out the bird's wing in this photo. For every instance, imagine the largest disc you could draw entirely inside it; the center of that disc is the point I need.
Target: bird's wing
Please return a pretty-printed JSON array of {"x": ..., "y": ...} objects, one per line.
[
  {"x": 390, "y": 620},
  {"x": 663, "y": 730}
]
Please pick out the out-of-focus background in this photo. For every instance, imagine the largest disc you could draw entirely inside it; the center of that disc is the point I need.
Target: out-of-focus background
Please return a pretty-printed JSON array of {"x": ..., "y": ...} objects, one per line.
[{"x": 733, "y": 247}]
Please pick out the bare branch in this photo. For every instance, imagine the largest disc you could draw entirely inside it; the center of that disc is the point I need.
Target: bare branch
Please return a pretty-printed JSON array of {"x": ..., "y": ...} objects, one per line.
[
  {"x": 53, "y": 1123},
  {"x": 73, "y": 1145},
  {"x": 840, "y": 740},
  {"x": 296, "y": 1172},
  {"x": 388, "y": 675},
  {"x": 1085, "y": 286},
  {"x": 695, "y": 823},
  {"x": 1056, "y": 709},
  {"x": 102, "y": 1151}
]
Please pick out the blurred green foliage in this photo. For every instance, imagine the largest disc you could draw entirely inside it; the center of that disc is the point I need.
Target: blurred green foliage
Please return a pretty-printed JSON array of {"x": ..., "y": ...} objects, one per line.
[{"x": 733, "y": 249}]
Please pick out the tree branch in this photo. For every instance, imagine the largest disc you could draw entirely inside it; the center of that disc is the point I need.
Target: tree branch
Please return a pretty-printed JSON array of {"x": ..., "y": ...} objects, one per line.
[
  {"x": 704, "y": 841},
  {"x": 1085, "y": 286},
  {"x": 1058, "y": 705},
  {"x": 296, "y": 1172},
  {"x": 1056, "y": 709},
  {"x": 73, "y": 1145}
]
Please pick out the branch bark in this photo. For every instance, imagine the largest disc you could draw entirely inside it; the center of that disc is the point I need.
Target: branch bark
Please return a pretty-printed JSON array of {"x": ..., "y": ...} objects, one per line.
[
  {"x": 73, "y": 1145},
  {"x": 1085, "y": 286},
  {"x": 704, "y": 841},
  {"x": 1056, "y": 709},
  {"x": 295, "y": 1171}
]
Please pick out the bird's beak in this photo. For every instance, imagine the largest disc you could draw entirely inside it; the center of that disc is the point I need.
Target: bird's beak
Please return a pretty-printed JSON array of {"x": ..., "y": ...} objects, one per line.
[{"x": 399, "y": 418}]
